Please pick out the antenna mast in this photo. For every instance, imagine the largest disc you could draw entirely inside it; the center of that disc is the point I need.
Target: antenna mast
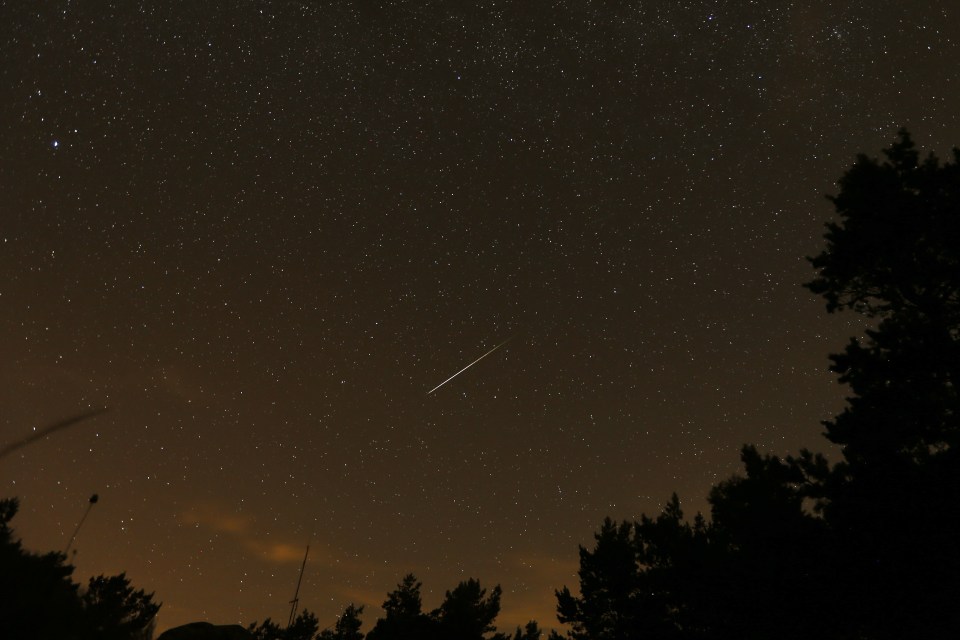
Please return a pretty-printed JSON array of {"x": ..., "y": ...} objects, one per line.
[
  {"x": 296, "y": 594},
  {"x": 93, "y": 501}
]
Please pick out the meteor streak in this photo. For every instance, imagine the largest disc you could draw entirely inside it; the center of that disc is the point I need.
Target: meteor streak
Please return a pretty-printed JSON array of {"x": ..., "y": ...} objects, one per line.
[{"x": 470, "y": 365}]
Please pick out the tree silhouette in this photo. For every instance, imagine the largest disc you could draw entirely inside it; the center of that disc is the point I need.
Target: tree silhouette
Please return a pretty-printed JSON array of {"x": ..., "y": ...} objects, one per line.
[
  {"x": 643, "y": 579},
  {"x": 467, "y": 612},
  {"x": 609, "y": 583},
  {"x": 347, "y": 626},
  {"x": 38, "y": 598},
  {"x": 303, "y": 627},
  {"x": 32, "y": 586},
  {"x": 404, "y": 618},
  {"x": 768, "y": 558},
  {"x": 115, "y": 611},
  {"x": 530, "y": 631},
  {"x": 797, "y": 548},
  {"x": 894, "y": 500},
  {"x": 267, "y": 630},
  {"x": 894, "y": 255}
]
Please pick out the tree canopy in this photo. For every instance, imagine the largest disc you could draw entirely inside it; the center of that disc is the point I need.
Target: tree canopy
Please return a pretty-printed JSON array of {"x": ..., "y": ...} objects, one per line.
[
  {"x": 893, "y": 502},
  {"x": 38, "y": 598},
  {"x": 794, "y": 547},
  {"x": 303, "y": 627},
  {"x": 799, "y": 547},
  {"x": 347, "y": 626},
  {"x": 468, "y": 612}
]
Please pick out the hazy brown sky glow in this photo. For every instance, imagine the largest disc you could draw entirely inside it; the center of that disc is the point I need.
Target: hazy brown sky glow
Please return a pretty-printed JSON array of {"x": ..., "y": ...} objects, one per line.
[{"x": 261, "y": 232}]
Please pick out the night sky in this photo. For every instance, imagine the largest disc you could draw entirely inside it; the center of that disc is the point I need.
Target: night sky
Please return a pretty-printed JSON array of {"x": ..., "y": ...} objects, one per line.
[{"x": 261, "y": 232}]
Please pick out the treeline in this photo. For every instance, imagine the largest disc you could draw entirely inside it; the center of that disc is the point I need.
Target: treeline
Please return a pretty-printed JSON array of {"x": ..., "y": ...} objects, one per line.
[
  {"x": 39, "y": 599},
  {"x": 865, "y": 548},
  {"x": 468, "y": 612},
  {"x": 797, "y": 547}
]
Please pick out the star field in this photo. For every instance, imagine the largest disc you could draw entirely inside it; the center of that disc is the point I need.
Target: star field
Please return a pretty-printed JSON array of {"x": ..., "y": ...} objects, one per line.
[{"x": 260, "y": 232}]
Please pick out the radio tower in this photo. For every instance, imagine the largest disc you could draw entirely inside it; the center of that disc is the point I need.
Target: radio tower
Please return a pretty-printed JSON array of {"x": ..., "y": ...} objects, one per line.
[
  {"x": 93, "y": 501},
  {"x": 296, "y": 594}
]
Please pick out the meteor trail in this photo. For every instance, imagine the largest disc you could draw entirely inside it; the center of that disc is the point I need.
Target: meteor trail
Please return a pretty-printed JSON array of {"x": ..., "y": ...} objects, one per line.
[{"x": 471, "y": 364}]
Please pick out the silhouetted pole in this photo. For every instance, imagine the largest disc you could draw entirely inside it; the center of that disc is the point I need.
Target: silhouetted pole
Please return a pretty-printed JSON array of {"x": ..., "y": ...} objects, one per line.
[
  {"x": 93, "y": 501},
  {"x": 296, "y": 594}
]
